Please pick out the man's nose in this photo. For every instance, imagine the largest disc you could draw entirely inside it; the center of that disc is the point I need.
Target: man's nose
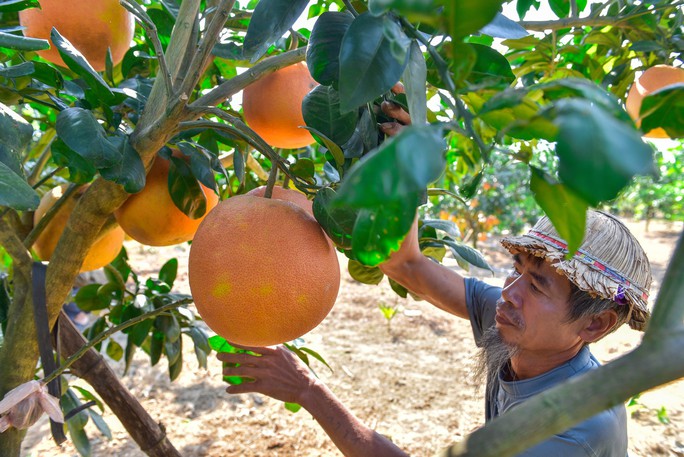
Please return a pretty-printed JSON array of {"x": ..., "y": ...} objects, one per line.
[{"x": 512, "y": 290}]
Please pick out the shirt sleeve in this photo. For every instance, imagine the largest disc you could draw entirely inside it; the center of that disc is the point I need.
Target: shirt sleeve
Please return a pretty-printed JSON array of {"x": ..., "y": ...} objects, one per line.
[{"x": 481, "y": 301}]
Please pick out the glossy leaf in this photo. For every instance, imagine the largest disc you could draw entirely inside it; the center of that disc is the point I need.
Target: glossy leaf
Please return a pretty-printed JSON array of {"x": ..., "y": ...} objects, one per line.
[
  {"x": 184, "y": 189},
  {"x": 337, "y": 222},
  {"x": 490, "y": 68},
  {"x": 566, "y": 210},
  {"x": 415, "y": 77},
  {"x": 8, "y": 6},
  {"x": 20, "y": 43},
  {"x": 503, "y": 27},
  {"x": 270, "y": 20},
  {"x": 465, "y": 17},
  {"x": 665, "y": 109},
  {"x": 466, "y": 253},
  {"x": 364, "y": 274},
  {"x": 402, "y": 167},
  {"x": 88, "y": 299},
  {"x": 598, "y": 155},
  {"x": 444, "y": 225},
  {"x": 369, "y": 64},
  {"x": 321, "y": 111},
  {"x": 168, "y": 271},
  {"x": 79, "y": 129},
  {"x": 139, "y": 332},
  {"x": 15, "y": 191},
  {"x": 129, "y": 171},
  {"x": 379, "y": 231},
  {"x": 78, "y": 64},
  {"x": 323, "y": 50}
]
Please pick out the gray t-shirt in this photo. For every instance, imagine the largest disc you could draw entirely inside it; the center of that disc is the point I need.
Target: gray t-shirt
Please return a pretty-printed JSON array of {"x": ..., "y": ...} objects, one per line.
[{"x": 604, "y": 434}]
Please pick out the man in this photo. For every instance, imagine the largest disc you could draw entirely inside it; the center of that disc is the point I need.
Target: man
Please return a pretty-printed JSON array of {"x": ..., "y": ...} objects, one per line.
[{"x": 533, "y": 333}]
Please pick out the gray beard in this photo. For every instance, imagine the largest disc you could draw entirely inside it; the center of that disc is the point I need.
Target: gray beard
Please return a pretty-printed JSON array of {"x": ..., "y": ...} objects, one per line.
[{"x": 494, "y": 355}]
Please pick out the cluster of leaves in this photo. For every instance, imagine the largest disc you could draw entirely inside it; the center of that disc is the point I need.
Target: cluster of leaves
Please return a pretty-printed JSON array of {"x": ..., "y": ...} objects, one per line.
[{"x": 124, "y": 297}]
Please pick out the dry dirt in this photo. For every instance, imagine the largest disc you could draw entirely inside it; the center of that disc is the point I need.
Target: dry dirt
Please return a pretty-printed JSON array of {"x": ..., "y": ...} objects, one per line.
[{"x": 409, "y": 379}]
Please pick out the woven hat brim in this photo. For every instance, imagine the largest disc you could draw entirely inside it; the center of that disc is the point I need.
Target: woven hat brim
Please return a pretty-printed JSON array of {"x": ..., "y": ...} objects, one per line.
[{"x": 586, "y": 276}]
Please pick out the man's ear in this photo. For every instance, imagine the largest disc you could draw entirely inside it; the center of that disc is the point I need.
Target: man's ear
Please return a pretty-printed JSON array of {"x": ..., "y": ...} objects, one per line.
[{"x": 598, "y": 325}]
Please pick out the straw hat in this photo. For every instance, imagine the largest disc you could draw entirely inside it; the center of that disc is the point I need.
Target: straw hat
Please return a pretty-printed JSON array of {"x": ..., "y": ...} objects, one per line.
[{"x": 610, "y": 262}]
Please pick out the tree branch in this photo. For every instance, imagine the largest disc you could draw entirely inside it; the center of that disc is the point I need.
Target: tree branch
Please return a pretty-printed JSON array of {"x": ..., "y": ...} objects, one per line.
[
  {"x": 151, "y": 29},
  {"x": 239, "y": 82}
]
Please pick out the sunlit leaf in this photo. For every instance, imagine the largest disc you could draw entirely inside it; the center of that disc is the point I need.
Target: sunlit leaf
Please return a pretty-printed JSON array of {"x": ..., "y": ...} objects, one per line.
[
  {"x": 599, "y": 155},
  {"x": 379, "y": 231},
  {"x": 566, "y": 210},
  {"x": 465, "y": 17},
  {"x": 402, "y": 167}
]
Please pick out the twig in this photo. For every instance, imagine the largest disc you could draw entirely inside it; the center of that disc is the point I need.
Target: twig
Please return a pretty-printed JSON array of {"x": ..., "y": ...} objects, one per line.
[
  {"x": 109, "y": 332},
  {"x": 151, "y": 29},
  {"x": 234, "y": 85},
  {"x": 205, "y": 47},
  {"x": 45, "y": 141},
  {"x": 350, "y": 7},
  {"x": 47, "y": 217}
]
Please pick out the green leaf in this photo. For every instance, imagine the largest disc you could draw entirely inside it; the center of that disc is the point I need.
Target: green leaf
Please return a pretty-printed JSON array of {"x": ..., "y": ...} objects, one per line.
[
  {"x": 173, "y": 350},
  {"x": 378, "y": 232},
  {"x": 566, "y": 210},
  {"x": 81, "y": 170},
  {"x": 100, "y": 423},
  {"x": 466, "y": 253},
  {"x": 303, "y": 168},
  {"x": 444, "y": 225},
  {"x": 576, "y": 87},
  {"x": 270, "y": 20},
  {"x": 415, "y": 77},
  {"x": 20, "y": 43},
  {"x": 402, "y": 167},
  {"x": 139, "y": 332},
  {"x": 15, "y": 136},
  {"x": 491, "y": 68},
  {"x": 79, "y": 129},
  {"x": 337, "y": 222},
  {"x": 292, "y": 407},
  {"x": 321, "y": 111},
  {"x": 129, "y": 171},
  {"x": 78, "y": 64},
  {"x": 369, "y": 63},
  {"x": 8, "y": 6},
  {"x": 664, "y": 108},
  {"x": 156, "y": 347},
  {"x": 334, "y": 150},
  {"x": 88, "y": 299},
  {"x": 323, "y": 50},
  {"x": 523, "y": 6},
  {"x": 169, "y": 326},
  {"x": 364, "y": 274},
  {"x": 168, "y": 272},
  {"x": 561, "y": 8},
  {"x": 219, "y": 344},
  {"x": 185, "y": 190},
  {"x": 114, "y": 350},
  {"x": 598, "y": 155},
  {"x": 502, "y": 27},
  {"x": 398, "y": 288},
  {"x": 465, "y": 17},
  {"x": 17, "y": 71},
  {"x": 315, "y": 355},
  {"x": 201, "y": 342},
  {"x": 176, "y": 367},
  {"x": 15, "y": 191}
]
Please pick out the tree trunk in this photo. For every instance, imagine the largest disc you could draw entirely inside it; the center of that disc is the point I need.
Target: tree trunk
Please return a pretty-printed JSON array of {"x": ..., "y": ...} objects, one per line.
[{"x": 150, "y": 435}]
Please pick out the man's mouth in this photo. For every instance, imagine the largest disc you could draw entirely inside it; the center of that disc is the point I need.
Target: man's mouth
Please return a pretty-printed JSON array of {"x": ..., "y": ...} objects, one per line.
[{"x": 506, "y": 317}]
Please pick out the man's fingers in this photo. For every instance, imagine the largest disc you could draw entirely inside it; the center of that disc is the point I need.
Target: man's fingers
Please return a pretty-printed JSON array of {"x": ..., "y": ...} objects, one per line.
[
  {"x": 398, "y": 88},
  {"x": 390, "y": 128},
  {"x": 395, "y": 111},
  {"x": 239, "y": 357}
]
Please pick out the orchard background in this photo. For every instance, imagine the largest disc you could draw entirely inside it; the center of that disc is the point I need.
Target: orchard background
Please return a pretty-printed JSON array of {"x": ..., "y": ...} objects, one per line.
[{"x": 510, "y": 118}]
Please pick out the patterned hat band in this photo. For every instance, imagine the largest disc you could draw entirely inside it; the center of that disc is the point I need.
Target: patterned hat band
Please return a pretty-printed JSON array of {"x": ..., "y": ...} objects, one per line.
[{"x": 623, "y": 282}]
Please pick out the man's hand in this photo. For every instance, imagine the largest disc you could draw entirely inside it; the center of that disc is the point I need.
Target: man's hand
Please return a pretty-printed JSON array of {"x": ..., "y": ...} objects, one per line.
[
  {"x": 394, "y": 111},
  {"x": 276, "y": 371}
]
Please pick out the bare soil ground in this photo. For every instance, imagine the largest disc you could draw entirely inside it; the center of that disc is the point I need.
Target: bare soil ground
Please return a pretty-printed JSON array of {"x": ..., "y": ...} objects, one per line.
[{"x": 410, "y": 379}]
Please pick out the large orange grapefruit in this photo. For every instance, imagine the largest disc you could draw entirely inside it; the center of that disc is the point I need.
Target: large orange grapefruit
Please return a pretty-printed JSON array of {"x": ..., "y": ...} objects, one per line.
[
  {"x": 261, "y": 271},
  {"x": 152, "y": 218},
  {"x": 651, "y": 80},
  {"x": 91, "y": 26},
  {"x": 289, "y": 195},
  {"x": 272, "y": 106},
  {"x": 101, "y": 253}
]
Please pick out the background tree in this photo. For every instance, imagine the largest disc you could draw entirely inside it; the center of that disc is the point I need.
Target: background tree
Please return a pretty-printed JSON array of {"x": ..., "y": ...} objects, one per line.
[{"x": 486, "y": 94}]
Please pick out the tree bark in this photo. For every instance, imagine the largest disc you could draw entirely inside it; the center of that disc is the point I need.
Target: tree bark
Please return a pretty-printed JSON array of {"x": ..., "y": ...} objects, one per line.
[{"x": 147, "y": 433}]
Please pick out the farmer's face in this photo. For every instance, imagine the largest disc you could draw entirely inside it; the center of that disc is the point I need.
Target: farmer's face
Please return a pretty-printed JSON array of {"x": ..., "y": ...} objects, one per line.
[{"x": 532, "y": 313}]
